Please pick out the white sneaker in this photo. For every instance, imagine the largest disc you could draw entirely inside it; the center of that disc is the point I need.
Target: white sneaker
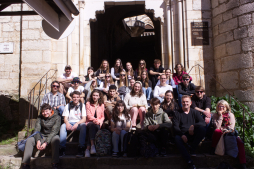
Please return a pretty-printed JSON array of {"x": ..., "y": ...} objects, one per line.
[
  {"x": 87, "y": 153},
  {"x": 93, "y": 151}
]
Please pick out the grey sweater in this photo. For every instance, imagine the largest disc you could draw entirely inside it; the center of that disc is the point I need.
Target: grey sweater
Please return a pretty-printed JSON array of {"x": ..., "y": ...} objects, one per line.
[
  {"x": 160, "y": 118},
  {"x": 48, "y": 127}
]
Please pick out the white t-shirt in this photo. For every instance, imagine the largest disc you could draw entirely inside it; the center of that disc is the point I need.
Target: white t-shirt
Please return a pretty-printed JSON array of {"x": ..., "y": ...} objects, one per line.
[
  {"x": 122, "y": 123},
  {"x": 70, "y": 77},
  {"x": 80, "y": 89},
  {"x": 74, "y": 115},
  {"x": 161, "y": 89}
]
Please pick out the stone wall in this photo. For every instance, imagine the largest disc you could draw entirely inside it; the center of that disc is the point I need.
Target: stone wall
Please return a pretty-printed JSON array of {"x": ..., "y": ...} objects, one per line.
[{"x": 233, "y": 33}]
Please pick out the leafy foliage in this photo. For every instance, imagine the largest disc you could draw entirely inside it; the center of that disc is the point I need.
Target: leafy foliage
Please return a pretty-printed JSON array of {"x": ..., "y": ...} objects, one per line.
[{"x": 237, "y": 110}]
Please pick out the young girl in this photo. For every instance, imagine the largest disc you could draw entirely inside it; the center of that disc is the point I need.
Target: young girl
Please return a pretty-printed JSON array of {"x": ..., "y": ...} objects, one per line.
[
  {"x": 90, "y": 86},
  {"x": 169, "y": 104},
  {"x": 146, "y": 85},
  {"x": 141, "y": 68},
  {"x": 136, "y": 102},
  {"x": 123, "y": 81},
  {"x": 180, "y": 71},
  {"x": 104, "y": 86},
  {"x": 115, "y": 71},
  {"x": 101, "y": 72},
  {"x": 95, "y": 118},
  {"x": 169, "y": 81},
  {"x": 89, "y": 76},
  {"x": 120, "y": 124},
  {"x": 131, "y": 74},
  {"x": 76, "y": 81}
]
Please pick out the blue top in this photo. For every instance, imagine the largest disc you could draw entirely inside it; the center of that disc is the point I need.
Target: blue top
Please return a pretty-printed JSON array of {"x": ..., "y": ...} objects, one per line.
[{"x": 167, "y": 82}]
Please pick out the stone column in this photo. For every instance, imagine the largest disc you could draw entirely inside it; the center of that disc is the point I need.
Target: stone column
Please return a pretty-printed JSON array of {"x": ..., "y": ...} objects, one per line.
[
  {"x": 180, "y": 26},
  {"x": 69, "y": 49},
  {"x": 169, "y": 34},
  {"x": 81, "y": 37},
  {"x": 162, "y": 45}
]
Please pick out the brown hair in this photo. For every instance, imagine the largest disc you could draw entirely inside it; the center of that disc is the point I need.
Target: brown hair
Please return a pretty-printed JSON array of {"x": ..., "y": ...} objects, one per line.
[
  {"x": 75, "y": 92},
  {"x": 157, "y": 61},
  {"x": 131, "y": 71},
  {"x": 183, "y": 69},
  {"x": 111, "y": 80},
  {"x": 198, "y": 88},
  {"x": 101, "y": 66},
  {"x": 185, "y": 76},
  {"x": 100, "y": 100},
  {"x": 118, "y": 68},
  {"x": 146, "y": 79},
  {"x": 140, "y": 91},
  {"x": 186, "y": 96},
  {"x": 45, "y": 106},
  {"x": 141, "y": 69},
  {"x": 155, "y": 101},
  {"x": 121, "y": 83},
  {"x": 115, "y": 112},
  {"x": 91, "y": 86},
  {"x": 165, "y": 104}
]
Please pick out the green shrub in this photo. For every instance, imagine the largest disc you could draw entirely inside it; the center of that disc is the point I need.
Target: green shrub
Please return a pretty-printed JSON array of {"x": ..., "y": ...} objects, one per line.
[{"x": 238, "y": 112}]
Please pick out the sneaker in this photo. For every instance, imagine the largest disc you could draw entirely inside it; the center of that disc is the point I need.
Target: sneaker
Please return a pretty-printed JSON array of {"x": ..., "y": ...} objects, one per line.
[
  {"x": 163, "y": 152},
  {"x": 55, "y": 166},
  {"x": 25, "y": 166},
  {"x": 133, "y": 128},
  {"x": 114, "y": 154},
  {"x": 93, "y": 151},
  {"x": 191, "y": 166},
  {"x": 62, "y": 152},
  {"x": 80, "y": 152},
  {"x": 87, "y": 153}
]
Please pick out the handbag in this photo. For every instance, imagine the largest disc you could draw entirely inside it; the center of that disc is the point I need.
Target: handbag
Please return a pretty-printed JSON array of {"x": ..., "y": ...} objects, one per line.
[
  {"x": 22, "y": 144},
  {"x": 220, "y": 148},
  {"x": 230, "y": 142}
]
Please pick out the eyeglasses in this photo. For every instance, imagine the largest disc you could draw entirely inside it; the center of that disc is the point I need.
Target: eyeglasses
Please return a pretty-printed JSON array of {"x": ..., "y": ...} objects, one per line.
[
  {"x": 199, "y": 91},
  {"x": 141, "y": 63},
  {"x": 122, "y": 74},
  {"x": 163, "y": 78},
  {"x": 221, "y": 106},
  {"x": 120, "y": 106},
  {"x": 107, "y": 76},
  {"x": 55, "y": 86},
  {"x": 186, "y": 79}
]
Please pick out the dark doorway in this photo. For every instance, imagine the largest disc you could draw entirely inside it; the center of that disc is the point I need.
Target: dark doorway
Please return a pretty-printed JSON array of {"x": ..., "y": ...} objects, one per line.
[{"x": 110, "y": 39}]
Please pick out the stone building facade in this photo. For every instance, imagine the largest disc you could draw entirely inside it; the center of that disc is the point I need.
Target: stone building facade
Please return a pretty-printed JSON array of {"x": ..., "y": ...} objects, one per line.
[{"x": 228, "y": 57}]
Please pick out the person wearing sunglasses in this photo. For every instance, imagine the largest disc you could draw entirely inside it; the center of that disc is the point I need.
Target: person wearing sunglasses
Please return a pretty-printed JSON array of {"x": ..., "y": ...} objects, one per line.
[
  {"x": 141, "y": 68},
  {"x": 54, "y": 98},
  {"x": 76, "y": 87},
  {"x": 202, "y": 103},
  {"x": 122, "y": 84},
  {"x": 104, "y": 86},
  {"x": 185, "y": 88}
]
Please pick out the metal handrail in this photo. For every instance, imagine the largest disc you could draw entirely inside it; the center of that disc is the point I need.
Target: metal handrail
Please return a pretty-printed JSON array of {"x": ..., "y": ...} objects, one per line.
[
  {"x": 32, "y": 100},
  {"x": 230, "y": 95}
]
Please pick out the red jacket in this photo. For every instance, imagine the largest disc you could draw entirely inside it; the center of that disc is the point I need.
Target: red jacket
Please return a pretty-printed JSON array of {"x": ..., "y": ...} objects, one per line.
[
  {"x": 177, "y": 78},
  {"x": 90, "y": 111}
]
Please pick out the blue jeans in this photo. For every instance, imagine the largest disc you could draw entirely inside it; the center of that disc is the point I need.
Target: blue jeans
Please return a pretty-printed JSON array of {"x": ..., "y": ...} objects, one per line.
[
  {"x": 60, "y": 110},
  {"x": 199, "y": 134},
  {"x": 147, "y": 92},
  {"x": 115, "y": 140},
  {"x": 82, "y": 134}
]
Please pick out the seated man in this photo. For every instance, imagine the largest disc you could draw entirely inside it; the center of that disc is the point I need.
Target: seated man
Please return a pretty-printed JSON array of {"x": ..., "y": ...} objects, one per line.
[
  {"x": 76, "y": 87},
  {"x": 110, "y": 101},
  {"x": 189, "y": 128},
  {"x": 74, "y": 119},
  {"x": 185, "y": 88},
  {"x": 155, "y": 72},
  {"x": 160, "y": 90},
  {"x": 158, "y": 123},
  {"x": 48, "y": 124},
  {"x": 202, "y": 103},
  {"x": 54, "y": 98},
  {"x": 65, "y": 79}
]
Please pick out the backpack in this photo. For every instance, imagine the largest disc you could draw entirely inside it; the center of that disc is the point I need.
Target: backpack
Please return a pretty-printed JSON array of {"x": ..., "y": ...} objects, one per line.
[
  {"x": 70, "y": 105},
  {"x": 131, "y": 144},
  {"x": 147, "y": 145},
  {"x": 103, "y": 143}
]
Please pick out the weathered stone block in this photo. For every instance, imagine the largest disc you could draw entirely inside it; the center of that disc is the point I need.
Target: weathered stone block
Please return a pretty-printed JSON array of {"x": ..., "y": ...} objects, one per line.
[
  {"x": 220, "y": 51},
  {"x": 245, "y": 1},
  {"x": 34, "y": 24},
  {"x": 11, "y": 59},
  {"x": 245, "y": 95},
  {"x": 250, "y": 105},
  {"x": 215, "y": 3},
  {"x": 245, "y": 20},
  {"x": 229, "y": 80},
  {"x": 17, "y": 26},
  {"x": 8, "y": 27},
  {"x": 222, "y": 38},
  {"x": 238, "y": 61},
  {"x": 15, "y": 18},
  {"x": 14, "y": 75},
  {"x": 30, "y": 70},
  {"x": 46, "y": 56},
  {"x": 227, "y": 15},
  {"x": 1, "y": 59},
  {"x": 4, "y": 75},
  {"x": 58, "y": 57},
  {"x": 5, "y": 18},
  {"x": 220, "y": 9},
  {"x": 247, "y": 78},
  {"x": 240, "y": 33},
  {"x": 232, "y": 4},
  {"x": 32, "y": 56},
  {"x": 251, "y": 30},
  {"x": 25, "y": 25},
  {"x": 36, "y": 44},
  {"x": 59, "y": 46},
  {"x": 217, "y": 65},
  {"x": 31, "y": 34},
  {"x": 247, "y": 43},
  {"x": 246, "y": 8},
  {"x": 228, "y": 25},
  {"x": 233, "y": 47},
  {"x": 216, "y": 30}
]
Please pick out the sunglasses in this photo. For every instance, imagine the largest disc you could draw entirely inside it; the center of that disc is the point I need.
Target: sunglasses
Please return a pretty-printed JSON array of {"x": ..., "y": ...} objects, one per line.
[
  {"x": 107, "y": 76},
  {"x": 141, "y": 63},
  {"x": 122, "y": 74},
  {"x": 221, "y": 106},
  {"x": 199, "y": 91},
  {"x": 186, "y": 79},
  {"x": 74, "y": 82},
  {"x": 55, "y": 86}
]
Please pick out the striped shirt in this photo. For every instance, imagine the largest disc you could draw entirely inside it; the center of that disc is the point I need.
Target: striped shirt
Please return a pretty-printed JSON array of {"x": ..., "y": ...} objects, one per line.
[{"x": 54, "y": 100}]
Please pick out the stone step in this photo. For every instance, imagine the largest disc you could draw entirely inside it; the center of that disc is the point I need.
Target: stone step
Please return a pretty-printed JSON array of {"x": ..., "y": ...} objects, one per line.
[{"x": 171, "y": 161}]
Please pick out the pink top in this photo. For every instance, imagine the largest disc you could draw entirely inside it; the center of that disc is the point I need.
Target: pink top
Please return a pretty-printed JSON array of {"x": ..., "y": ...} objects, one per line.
[
  {"x": 90, "y": 111},
  {"x": 177, "y": 77},
  {"x": 218, "y": 121}
]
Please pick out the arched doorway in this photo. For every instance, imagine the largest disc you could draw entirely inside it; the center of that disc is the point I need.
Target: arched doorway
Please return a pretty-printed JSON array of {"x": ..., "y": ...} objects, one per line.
[{"x": 112, "y": 37}]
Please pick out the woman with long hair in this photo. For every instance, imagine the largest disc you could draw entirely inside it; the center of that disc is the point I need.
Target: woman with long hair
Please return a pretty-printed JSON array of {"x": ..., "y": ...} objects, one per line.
[
  {"x": 141, "y": 68},
  {"x": 170, "y": 80},
  {"x": 123, "y": 81},
  {"x": 101, "y": 72},
  {"x": 90, "y": 86},
  {"x": 120, "y": 124},
  {"x": 115, "y": 71},
  {"x": 136, "y": 102},
  {"x": 131, "y": 74},
  {"x": 180, "y": 71},
  {"x": 224, "y": 122},
  {"x": 104, "y": 86},
  {"x": 95, "y": 118},
  {"x": 169, "y": 104},
  {"x": 146, "y": 85},
  {"x": 89, "y": 76}
]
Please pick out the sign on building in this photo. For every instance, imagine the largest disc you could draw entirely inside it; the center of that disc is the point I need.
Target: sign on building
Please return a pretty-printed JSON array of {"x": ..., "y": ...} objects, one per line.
[
  {"x": 6, "y": 47},
  {"x": 199, "y": 33}
]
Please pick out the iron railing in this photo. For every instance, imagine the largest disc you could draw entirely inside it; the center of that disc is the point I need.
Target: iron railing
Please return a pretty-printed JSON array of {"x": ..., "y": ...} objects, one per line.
[
  {"x": 36, "y": 92},
  {"x": 245, "y": 122}
]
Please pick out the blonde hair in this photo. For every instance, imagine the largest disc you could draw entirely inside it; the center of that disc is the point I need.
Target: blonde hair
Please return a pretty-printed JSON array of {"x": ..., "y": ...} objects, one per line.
[
  {"x": 141, "y": 69},
  {"x": 106, "y": 83},
  {"x": 121, "y": 82},
  {"x": 102, "y": 68},
  {"x": 224, "y": 103}
]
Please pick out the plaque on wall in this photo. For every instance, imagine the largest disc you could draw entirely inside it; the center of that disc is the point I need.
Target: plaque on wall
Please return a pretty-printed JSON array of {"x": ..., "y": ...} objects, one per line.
[
  {"x": 6, "y": 47},
  {"x": 199, "y": 33}
]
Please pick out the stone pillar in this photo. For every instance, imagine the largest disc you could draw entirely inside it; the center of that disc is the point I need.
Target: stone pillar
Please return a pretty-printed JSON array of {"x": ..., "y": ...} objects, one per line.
[
  {"x": 87, "y": 46},
  {"x": 180, "y": 26},
  {"x": 162, "y": 45},
  {"x": 169, "y": 34},
  {"x": 69, "y": 49},
  {"x": 81, "y": 37}
]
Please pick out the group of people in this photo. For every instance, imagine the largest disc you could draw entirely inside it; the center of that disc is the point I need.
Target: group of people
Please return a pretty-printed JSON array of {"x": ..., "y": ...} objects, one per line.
[{"x": 127, "y": 100}]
